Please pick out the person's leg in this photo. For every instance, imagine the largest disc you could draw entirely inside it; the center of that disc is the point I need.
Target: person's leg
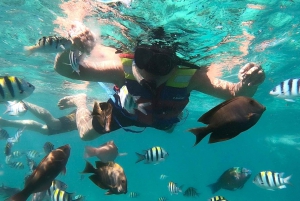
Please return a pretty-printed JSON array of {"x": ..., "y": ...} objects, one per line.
[
  {"x": 30, "y": 125},
  {"x": 44, "y": 115},
  {"x": 83, "y": 115}
]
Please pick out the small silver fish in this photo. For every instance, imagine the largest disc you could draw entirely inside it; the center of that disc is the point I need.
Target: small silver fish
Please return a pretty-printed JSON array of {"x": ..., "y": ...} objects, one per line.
[
  {"x": 287, "y": 89},
  {"x": 75, "y": 57},
  {"x": 17, "y": 136},
  {"x": 153, "y": 155},
  {"x": 16, "y": 108},
  {"x": 173, "y": 188},
  {"x": 49, "y": 44},
  {"x": 271, "y": 180},
  {"x": 129, "y": 102}
]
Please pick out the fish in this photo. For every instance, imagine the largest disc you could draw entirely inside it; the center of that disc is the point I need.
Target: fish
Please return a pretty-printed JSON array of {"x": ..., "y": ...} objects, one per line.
[
  {"x": 153, "y": 155},
  {"x": 31, "y": 164},
  {"x": 129, "y": 102},
  {"x": 271, "y": 180},
  {"x": 229, "y": 119},
  {"x": 49, "y": 44},
  {"x": 109, "y": 176},
  {"x": 13, "y": 88},
  {"x": 162, "y": 199},
  {"x": 47, "y": 194},
  {"x": 79, "y": 198},
  {"x": 16, "y": 165},
  {"x": 173, "y": 188},
  {"x": 103, "y": 114},
  {"x": 6, "y": 191},
  {"x": 16, "y": 108},
  {"x": 17, "y": 154},
  {"x": 3, "y": 134},
  {"x": 162, "y": 176},
  {"x": 7, "y": 149},
  {"x": 46, "y": 171},
  {"x": 75, "y": 57},
  {"x": 218, "y": 198},
  {"x": 17, "y": 136},
  {"x": 287, "y": 89},
  {"x": 232, "y": 179},
  {"x": 32, "y": 154},
  {"x": 191, "y": 192},
  {"x": 48, "y": 147},
  {"x": 106, "y": 152},
  {"x": 61, "y": 195},
  {"x": 133, "y": 194}
]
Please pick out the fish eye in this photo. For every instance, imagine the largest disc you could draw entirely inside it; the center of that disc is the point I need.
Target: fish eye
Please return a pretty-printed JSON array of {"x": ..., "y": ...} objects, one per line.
[{"x": 30, "y": 85}]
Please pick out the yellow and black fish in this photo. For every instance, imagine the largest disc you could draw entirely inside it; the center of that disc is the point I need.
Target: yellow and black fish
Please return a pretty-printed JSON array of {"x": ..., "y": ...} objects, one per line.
[
  {"x": 7, "y": 149},
  {"x": 16, "y": 165},
  {"x": 218, "y": 198},
  {"x": 60, "y": 195},
  {"x": 13, "y": 88},
  {"x": 133, "y": 194}
]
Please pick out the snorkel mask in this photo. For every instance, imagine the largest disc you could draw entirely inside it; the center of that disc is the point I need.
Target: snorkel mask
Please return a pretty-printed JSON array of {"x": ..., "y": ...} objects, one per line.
[{"x": 155, "y": 60}]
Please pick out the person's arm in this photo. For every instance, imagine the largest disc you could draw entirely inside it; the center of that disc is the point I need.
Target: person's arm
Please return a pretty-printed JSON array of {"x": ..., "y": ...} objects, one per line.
[
  {"x": 102, "y": 65},
  {"x": 251, "y": 76}
]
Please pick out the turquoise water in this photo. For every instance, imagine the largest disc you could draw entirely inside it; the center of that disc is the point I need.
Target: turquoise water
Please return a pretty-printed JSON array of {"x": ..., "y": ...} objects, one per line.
[{"x": 199, "y": 27}]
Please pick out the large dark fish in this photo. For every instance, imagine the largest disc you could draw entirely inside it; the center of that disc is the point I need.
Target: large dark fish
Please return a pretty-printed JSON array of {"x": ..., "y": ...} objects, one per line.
[
  {"x": 232, "y": 179},
  {"x": 108, "y": 176},
  {"x": 42, "y": 177},
  {"x": 228, "y": 119}
]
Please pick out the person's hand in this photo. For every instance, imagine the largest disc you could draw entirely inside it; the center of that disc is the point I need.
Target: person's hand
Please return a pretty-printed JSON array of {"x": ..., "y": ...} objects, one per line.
[
  {"x": 83, "y": 38},
  {"x": 251, "y": 74}
]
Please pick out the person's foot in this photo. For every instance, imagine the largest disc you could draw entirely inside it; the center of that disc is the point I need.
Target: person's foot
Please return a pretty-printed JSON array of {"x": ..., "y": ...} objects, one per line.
[{"x": 71, "y": 101}]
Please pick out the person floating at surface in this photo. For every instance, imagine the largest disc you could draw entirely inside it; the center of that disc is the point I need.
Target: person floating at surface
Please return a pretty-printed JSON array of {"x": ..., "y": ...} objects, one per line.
[
  {"x": 155, "y": 78},
  {"x": 52, "y": 125}
]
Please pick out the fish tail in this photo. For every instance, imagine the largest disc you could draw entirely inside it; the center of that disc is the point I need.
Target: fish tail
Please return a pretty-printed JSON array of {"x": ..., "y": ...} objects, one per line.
[
  {"x": 141, "y": 157},
  {"x": 88, "y": 168},
  {"x": 28, "y": 50},
  {"x": 200, "y": 133},
  {"x": 20, "y": 196},
  {"x": 89, "y": 152},
  {"x": 286, "y": 180},
  {"x": 215, "y": 187}
]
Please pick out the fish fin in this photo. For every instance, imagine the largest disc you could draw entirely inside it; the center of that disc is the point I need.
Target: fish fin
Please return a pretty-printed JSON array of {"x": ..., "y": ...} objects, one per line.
[
  {"x": 215, "y": 187},
  {"x": 205, "y": 118},
  {"x": 141, "y": 157},
  {"x": 213, "y": 138},
  {"x": 108, "y": 193},
  {"x": 282, "y": 186},
  {"x": 286, "y": 180},
  {"x": 289, "y": 100},
  {"x": 141, "y": 107},
  {"x": 96, "y": 180},
  {"x": 88, "y": 168},
  {"x": 64, "y": 171},
  {"x": 89, "y": 152},
  {"x": 200, "y": 133},
  {"x": 100, "y": 164},
  {"x": 29, "y": 50},
  {"x": 62, "y": 47}
]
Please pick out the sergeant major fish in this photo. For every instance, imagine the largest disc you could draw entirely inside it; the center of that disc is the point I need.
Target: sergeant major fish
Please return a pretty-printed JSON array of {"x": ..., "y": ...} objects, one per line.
[
  {"x": 16, "y": 108},
  {"x": 271, "y": 180},
  {"x": 191, "y": 192},
  {"x": 287, "y": 89},
  {"x": 153, "y": 155},
  {"x": 49, "y": 44},
  {"x": 228, "y": 119},
  {"x": 13, "y": 88},
  {"x": 75, "y": 57},
  {"x": 218, "y": 198},
  {"x": 3, "y": 134},
  {"x": 46, "y": 171},
  {"x": 173, "y": 188}
]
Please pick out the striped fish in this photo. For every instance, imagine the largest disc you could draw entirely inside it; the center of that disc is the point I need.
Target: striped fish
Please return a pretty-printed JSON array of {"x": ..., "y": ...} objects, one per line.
[
  {"x": 271, "y": 180},
  {"x": 162, "y": 199},
  {"x": 48, "y": 147},
  {"x": 133, "y": 194},
  {"x": 75, "y": 58},
  {"x": 7, "y": 149},
  {"x": 16, "y": 108},
  {"x": 13, "y": 88},
  {"x": 287, "y": 89},
  {"x": 191, "y": 192},
  {"x": 32, "y": 154},
  {"x": 218, "y": 198},
  {"x": 60, "y": 195},
  {"x": 153, "y": 155},
  {"x": 49, "y": 44},
  {"x": 56, "y": 185},
  {"x": 16, "y": 165},
  {"x": 173, "y": 188}
]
